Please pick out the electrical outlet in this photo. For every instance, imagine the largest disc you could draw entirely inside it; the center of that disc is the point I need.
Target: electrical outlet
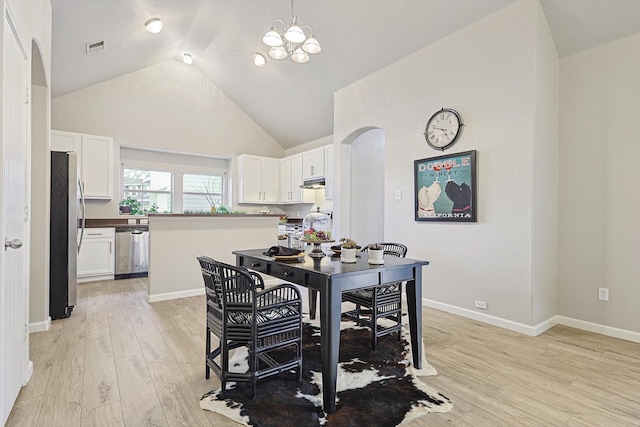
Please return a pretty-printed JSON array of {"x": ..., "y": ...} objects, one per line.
[
  {"x": 603, "y": 294},
  {"x": 481, "y": 304}
]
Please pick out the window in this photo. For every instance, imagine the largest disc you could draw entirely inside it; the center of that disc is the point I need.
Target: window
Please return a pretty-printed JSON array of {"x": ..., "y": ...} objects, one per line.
[
  {"x": 201, "y": 192},
  {"x": 174, "y": 182},
  {"x": 151, "y": 188}
]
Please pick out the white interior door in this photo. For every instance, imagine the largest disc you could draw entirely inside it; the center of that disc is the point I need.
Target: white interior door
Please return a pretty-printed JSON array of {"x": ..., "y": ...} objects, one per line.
[{"x": 14, "y": 344}]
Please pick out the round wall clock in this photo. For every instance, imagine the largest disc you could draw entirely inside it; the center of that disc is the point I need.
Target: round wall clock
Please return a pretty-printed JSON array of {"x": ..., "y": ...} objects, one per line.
[{"x": 443, "y": 129}]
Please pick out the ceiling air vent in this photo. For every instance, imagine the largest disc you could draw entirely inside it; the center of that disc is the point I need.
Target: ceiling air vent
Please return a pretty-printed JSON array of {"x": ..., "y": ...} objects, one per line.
[{"x": 95, "y": 47}]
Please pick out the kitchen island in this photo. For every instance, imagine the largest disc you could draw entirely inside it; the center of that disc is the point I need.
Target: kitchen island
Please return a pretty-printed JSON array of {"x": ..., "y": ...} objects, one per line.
[{"x": 175, "y": 240}]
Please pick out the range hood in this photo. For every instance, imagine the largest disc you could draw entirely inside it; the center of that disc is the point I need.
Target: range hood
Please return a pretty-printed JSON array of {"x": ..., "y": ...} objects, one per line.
[{"x": 313, "y": 184}]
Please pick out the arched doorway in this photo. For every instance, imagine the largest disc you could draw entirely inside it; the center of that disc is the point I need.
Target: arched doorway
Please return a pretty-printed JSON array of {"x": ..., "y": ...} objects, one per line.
[{"x": 362, "y": 185}]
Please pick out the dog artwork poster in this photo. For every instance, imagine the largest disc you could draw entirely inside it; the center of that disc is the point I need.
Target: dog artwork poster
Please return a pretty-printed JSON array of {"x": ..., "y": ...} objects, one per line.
[{"x": 445, "y": 188}]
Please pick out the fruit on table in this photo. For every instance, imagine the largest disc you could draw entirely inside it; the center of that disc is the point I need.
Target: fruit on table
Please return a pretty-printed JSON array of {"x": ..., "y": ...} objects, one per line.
[{"x": 313, "y": 234}]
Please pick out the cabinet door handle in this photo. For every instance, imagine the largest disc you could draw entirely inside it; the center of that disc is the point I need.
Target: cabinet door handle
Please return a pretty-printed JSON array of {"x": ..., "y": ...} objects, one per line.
[
  {"x": 312, "y": 171},
  {"x": 94, "y": 234},
  {"x": 110, "y": 247}
]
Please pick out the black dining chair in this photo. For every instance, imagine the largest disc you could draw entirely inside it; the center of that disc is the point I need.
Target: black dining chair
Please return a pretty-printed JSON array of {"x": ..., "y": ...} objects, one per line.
[
  {"x": 379, "y": 302},
  {"x": 241, "y": 312}
]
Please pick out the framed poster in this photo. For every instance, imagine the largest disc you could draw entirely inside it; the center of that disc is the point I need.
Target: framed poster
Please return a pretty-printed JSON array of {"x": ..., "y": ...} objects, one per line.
[{"x": 445, "y": 188}]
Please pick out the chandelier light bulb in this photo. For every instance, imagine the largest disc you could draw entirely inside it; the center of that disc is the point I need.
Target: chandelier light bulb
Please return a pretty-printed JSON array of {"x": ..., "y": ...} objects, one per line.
[
  {"x": 187, "y": 58},
  {"x": 295, "y": 34},
  {"x": 154, "y": 25},
  {"x": 312, "y": 46},
  {"x": 300, "y": 56},
  {"x": 272, "y": 38},
  {"x": 259, "y": 60},
  {"x": 278, "y": 53}
]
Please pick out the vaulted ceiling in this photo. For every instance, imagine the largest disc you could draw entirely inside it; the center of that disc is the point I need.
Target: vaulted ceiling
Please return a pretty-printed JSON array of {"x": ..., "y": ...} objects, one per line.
[{"x": 292, "y": 102}]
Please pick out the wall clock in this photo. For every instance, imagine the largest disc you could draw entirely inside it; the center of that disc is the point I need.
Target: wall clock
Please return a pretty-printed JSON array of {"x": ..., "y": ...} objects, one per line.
[{"x": 443, "y": 129}]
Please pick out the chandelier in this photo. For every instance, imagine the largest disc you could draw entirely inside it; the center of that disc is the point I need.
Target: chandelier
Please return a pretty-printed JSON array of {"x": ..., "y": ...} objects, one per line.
[{"x": 291, "y": 42}]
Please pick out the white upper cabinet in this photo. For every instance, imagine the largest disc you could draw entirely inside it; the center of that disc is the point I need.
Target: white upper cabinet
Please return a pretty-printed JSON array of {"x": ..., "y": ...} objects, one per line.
[
  {"x": 95, "y": 158},
  {"x": 97, "y": 167},
  {"x": 258, "y": 179},
  {"x": 313, "y": 164},
  {"x": 291, "y": 180}
]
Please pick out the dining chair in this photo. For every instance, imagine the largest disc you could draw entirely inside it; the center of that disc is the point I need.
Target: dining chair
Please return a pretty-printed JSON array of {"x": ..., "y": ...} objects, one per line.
[
  {"x": 378, "y": 302},
  {"x": 241, "y": 312}
]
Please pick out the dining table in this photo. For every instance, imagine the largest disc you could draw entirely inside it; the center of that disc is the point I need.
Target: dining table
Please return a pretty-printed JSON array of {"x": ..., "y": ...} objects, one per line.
[{"x": 330, "y": 277}]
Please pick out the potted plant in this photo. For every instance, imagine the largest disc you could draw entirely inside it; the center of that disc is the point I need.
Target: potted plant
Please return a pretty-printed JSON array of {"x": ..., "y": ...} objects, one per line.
[
  {"x": 283, "y": 240},
  {"x": 348, "y": 251},
  {"x": 376, "y": 253}
]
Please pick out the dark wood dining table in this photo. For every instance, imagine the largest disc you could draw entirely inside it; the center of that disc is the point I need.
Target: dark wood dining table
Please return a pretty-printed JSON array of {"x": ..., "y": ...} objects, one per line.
[{"x": 330, "y": 278}]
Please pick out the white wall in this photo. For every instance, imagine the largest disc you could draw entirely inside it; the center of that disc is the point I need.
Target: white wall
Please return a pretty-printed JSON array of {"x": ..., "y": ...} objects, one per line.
[
  {"x": 366, "y": 188},
  {"x": 40, "y": 171},
  {"x": 487, "y": 72},
  {"x": 170, "y": 106},
  {"x": 599, "y": 231},
  {"x": 545, "y": 176},
  {"x": 320, "y": 142},
  {"x": 175, "y": 242}
]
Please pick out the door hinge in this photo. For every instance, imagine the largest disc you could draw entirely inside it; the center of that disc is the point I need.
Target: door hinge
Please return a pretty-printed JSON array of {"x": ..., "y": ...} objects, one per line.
[
  {"x": 28, "y": 94},
  {"x": 26, "y": 331},
  {"x": 26, "y": 213}
]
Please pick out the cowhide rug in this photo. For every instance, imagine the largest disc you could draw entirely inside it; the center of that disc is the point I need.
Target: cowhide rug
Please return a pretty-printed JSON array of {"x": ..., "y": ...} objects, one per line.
[{"x": 375, "y": 388}]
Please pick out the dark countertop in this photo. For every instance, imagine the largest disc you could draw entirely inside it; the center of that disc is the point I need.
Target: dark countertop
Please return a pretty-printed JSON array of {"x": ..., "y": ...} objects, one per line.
[
  {"x": 115, "y": 222},
  {"x": 212, "y": 215}
]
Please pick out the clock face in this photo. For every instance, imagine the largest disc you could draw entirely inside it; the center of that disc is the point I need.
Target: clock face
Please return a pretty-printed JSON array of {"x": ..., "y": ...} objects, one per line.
[{"x": 443, "y": 129}]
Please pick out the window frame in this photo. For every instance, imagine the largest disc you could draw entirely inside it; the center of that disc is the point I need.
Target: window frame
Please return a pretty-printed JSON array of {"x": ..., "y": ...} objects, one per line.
[{"x": 177, "y": 164}]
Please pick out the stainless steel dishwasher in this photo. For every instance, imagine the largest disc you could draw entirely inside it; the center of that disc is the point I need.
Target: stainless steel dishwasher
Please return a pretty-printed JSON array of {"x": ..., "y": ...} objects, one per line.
[{"x": 132, "y": 252}]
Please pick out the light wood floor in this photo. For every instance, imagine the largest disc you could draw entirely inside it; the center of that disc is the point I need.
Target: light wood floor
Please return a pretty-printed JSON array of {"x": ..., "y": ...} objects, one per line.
[{"x": 119, "y": 361}]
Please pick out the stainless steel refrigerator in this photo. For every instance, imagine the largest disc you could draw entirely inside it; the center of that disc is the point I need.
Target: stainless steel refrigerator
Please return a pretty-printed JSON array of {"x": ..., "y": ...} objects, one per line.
[{"x": 67, "y": 230}]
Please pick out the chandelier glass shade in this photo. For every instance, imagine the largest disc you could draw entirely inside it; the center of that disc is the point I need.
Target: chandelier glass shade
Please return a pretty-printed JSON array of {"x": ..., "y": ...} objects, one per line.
[{"x": 291, "y": 41}]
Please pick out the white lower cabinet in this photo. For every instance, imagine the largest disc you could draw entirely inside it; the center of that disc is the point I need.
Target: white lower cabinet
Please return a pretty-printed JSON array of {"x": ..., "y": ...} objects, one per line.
[{"x": 96, "y": 260}]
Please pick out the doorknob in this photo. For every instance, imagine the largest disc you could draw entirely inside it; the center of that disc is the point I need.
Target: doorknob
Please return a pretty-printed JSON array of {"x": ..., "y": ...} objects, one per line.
[{"x": 13, "y": 244}]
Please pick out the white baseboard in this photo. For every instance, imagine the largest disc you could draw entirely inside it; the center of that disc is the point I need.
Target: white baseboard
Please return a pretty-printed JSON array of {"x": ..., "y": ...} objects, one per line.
[
  {"x": 487, "y": 318},
  {"x": 539, "y": 328},
  {"x": 29, "y": 373},
  {"x": 175, "y": 295},
  {"x": 600, "y": 329},
  {"x": 95, "y": 278},
  {"x": 40, "y": 326}
]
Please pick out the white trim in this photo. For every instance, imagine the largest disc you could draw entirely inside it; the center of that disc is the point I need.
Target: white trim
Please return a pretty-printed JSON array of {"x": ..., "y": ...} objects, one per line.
[
  {"x": 176, "y": 295},
  {"x": 600, "y": 329},
  {"x": 40, "y": 326},
  {"x": 486, "y": 318},
  {"x": 536, "y": 330},
  {"x": 192, "y": 293},
  {"x": 29, "y": 373},
  {"x": 86, "y": 279}
]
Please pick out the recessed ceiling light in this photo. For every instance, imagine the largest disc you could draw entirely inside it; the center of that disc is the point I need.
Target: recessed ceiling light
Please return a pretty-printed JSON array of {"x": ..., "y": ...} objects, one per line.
[
  {"x": 187, "y": 58},
  {"x": 259, "y": 60},
  {"x": 154, "y": 25}
]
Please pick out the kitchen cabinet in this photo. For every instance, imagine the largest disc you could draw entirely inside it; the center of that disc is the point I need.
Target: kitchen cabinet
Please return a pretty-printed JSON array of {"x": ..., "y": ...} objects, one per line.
[
  {"x": 328, "y": 170},
  {"x": 291, "y": 180},
  {"x": 258, "y": 179},
  {"x": 95, "y": 159},
  {"x": 96, "y": 260},
  {"x": 313, "y": 164}
]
